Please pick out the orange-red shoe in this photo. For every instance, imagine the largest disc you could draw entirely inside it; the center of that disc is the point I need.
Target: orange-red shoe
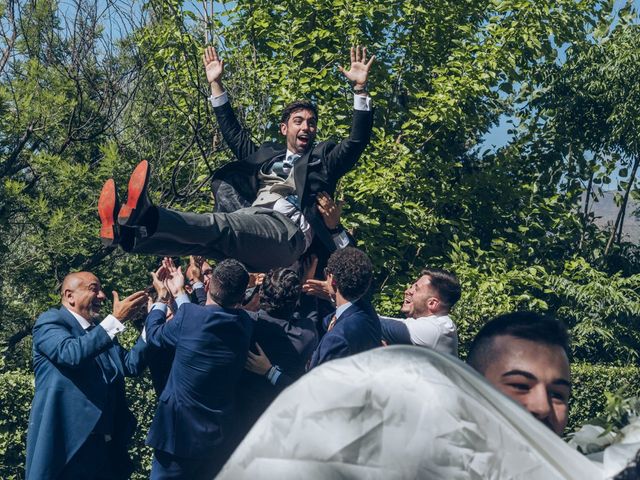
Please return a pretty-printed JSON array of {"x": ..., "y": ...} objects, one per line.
[
  {"x": 138, "y": 201},
  {"x": 108, "y": 207}
]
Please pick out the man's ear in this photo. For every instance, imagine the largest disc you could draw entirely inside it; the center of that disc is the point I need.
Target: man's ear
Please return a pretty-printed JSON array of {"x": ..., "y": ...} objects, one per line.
[
  {"x": 283, "y": 128},
  {"x": 434, "y": 304},
  {"x": 67, "y": 296}
]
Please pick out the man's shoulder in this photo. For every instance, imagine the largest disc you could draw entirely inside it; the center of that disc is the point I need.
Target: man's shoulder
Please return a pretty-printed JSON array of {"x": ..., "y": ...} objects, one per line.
[
  {"x": 442, "y": 321},
  {"x": 53, "y": 315}
]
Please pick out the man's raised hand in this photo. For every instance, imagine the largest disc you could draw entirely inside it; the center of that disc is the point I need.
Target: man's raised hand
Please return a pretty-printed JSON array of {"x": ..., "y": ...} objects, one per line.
[
  {"x": 359, "y": 70},
  {"x": 126, "y": 308},
  {"x": 175, "y": 278},
  {"x": 214, "y": 68}
]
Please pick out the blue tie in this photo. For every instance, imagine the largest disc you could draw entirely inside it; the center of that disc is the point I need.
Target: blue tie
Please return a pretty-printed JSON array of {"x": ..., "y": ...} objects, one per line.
[
  {"x": 109, "y": 371},
  {"x": 282, "y": 168}
]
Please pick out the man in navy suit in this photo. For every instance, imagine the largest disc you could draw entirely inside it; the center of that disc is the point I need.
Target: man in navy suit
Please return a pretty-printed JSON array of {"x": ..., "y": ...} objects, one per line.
[
  {"x": 354, "y": 327},
  {"x": 265, "y": 202},
  {"x": 190, "y": 431},
  {"x": 80, "y": 425}
]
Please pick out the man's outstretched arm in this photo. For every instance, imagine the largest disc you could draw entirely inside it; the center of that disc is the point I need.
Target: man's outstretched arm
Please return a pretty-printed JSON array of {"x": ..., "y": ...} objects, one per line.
[
  {"x": 238, "y": 139},
  {"x": 345, "y": 155}
]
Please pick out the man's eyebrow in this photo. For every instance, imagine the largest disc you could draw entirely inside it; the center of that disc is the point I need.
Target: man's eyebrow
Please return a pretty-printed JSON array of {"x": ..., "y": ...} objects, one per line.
[
  {"x": 523, "y": 373},
  {"x": 531, "y": 376}
]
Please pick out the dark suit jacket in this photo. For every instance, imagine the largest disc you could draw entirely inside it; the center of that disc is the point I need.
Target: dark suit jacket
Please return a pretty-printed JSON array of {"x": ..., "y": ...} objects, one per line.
[
  {"x": 196, "y": 406},
  {"x": 235, "y": 185},
  {"x": 71, "y": 392},
  {"x": 289, "y": 345},
  {"x": 357, "y": 330}
]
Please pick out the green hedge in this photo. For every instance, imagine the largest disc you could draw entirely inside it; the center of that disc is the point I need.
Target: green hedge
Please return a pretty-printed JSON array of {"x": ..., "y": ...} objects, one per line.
[
  {"x": 16, "y": 391},
  {"x": 589, "y": 384}
]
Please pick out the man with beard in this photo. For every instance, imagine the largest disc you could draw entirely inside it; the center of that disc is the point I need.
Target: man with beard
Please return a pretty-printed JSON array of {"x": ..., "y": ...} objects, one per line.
[
  {"x": 80, "y": 424},
  {"x": 426, "y": 306},
  {"x": 265, "y": 203}
]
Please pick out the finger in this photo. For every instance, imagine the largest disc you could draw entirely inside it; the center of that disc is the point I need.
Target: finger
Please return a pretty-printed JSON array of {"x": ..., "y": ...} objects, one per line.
[
  {"x": 215, "y": 54},
  {"x": 260, "y": 351},
  {"x": 364, "y": 54},
  {"x": 373, "y": 57},
  {"x": 357, "y": 53},
  {"x": 116, "y": 298},
  {"x": 252, "y": 356},
  {"x": 136, "y": 297},
  {"x": 313, "y": 282},
  {"x": 353, "y": 55}
]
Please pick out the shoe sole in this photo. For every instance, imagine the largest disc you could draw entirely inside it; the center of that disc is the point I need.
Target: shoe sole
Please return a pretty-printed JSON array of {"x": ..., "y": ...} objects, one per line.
[
  {"x": 137, "y": 186},
  {"x": 107, "y": 208}
]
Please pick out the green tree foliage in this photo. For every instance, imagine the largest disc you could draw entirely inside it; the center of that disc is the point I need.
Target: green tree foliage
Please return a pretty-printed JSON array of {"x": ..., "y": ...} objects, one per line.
[{"x": 89, "y": 88}]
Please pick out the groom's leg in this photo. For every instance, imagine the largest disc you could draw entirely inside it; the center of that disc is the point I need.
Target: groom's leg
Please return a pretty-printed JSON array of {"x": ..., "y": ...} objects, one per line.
[{"x": 260, "y": 238}]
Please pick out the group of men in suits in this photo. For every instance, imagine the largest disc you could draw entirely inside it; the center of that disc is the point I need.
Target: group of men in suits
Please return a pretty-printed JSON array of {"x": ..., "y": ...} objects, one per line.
[
  {"x": 268, "y": 212},
  {"x": 272, "y": 206}
]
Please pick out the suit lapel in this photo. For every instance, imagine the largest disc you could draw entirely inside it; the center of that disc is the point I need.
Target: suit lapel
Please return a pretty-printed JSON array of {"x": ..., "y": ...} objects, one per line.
[
  {"x": 300, "y": 175},
  {"x": 76, "y": 328}
]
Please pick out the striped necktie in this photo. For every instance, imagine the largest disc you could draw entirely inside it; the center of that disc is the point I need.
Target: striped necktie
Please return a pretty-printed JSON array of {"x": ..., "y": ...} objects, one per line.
[{"x": 332, "y": 323}]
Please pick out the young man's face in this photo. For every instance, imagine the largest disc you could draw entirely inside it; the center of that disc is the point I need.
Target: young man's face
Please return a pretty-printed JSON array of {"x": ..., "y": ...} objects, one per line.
[
  {"x": 420, "y": 299},
  {"x": 300, "y": 130},
  {"x": 536, "y": 375}
]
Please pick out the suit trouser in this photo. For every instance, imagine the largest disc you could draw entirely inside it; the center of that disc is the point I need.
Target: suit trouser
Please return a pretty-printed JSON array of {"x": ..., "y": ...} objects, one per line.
[
  {"x": 260, "y": 238},
  {"x": 96, "y": 460},
  {"x": 166, "y": 466}
]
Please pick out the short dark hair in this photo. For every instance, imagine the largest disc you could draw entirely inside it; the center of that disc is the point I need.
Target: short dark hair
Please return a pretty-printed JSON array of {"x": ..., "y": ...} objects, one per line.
[
  {"x": 446, "y": 285},
  {"x": 297, "y": 106},
  {"x": 525, "y": 325},
  {"x": 279, "y": 292},
  {"x": 229, "y": 280},
  {"x": 352, "y": 272}
]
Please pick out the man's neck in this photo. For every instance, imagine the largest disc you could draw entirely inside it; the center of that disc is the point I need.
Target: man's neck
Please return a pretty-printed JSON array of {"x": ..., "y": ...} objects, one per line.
[
  {"x": 340, "y": 300},
  {"x": 72, "y": 309}
]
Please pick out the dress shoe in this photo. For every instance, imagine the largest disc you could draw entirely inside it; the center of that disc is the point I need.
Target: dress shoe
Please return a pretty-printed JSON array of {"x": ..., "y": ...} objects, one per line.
[
  {"x": 133, "y": 212},
  {"x": 108, "y": 207}
]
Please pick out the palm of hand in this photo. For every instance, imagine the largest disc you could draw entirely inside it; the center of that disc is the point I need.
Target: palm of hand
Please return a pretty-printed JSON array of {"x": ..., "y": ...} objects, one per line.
[
  {"x": 358, "y": 72},
  {"x": 214, "y": 70},
  {"x": 175, "y": 283}
]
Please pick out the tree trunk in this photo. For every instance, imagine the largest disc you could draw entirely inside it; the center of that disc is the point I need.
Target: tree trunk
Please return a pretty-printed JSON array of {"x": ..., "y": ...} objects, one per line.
[
  {"x": 587, "y": 197},
  {"x": 617, "y": 227}
]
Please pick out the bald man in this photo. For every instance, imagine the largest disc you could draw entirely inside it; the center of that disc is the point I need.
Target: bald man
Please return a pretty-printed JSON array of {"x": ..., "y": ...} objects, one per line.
[{"x": 80, "y": 424}]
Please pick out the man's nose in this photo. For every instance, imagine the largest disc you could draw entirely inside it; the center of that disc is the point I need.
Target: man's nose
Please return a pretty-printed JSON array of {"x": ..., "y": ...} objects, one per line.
[
  {"x": 101, "y": 295},
  {"x": 539, "y": 402}
]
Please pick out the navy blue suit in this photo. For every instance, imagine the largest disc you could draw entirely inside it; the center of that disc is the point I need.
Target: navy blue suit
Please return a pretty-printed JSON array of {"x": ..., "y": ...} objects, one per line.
[
  {"x": 195, "y": 409},
  {"x": 72, "y": 393},
  {"x": 356, "y": 330}
]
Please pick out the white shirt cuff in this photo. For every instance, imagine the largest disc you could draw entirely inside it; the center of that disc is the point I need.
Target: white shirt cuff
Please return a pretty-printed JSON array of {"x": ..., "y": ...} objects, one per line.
[
  {"x": 219, "y": 100},
  {"x": 341, "y": 240},
  {"x": 181, "y": 299},
  {"x": 197, "y": 285},
  {"x": 159, "y": 306},
  {"x": 143, "y": 334},
  {"x": 112, "y": 326},
  {"x": 360, "y": 102}
]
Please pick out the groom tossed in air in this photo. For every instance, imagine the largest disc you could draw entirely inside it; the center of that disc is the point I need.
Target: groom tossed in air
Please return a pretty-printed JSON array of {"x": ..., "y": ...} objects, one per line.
[{"x": 265, "y": 211}]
